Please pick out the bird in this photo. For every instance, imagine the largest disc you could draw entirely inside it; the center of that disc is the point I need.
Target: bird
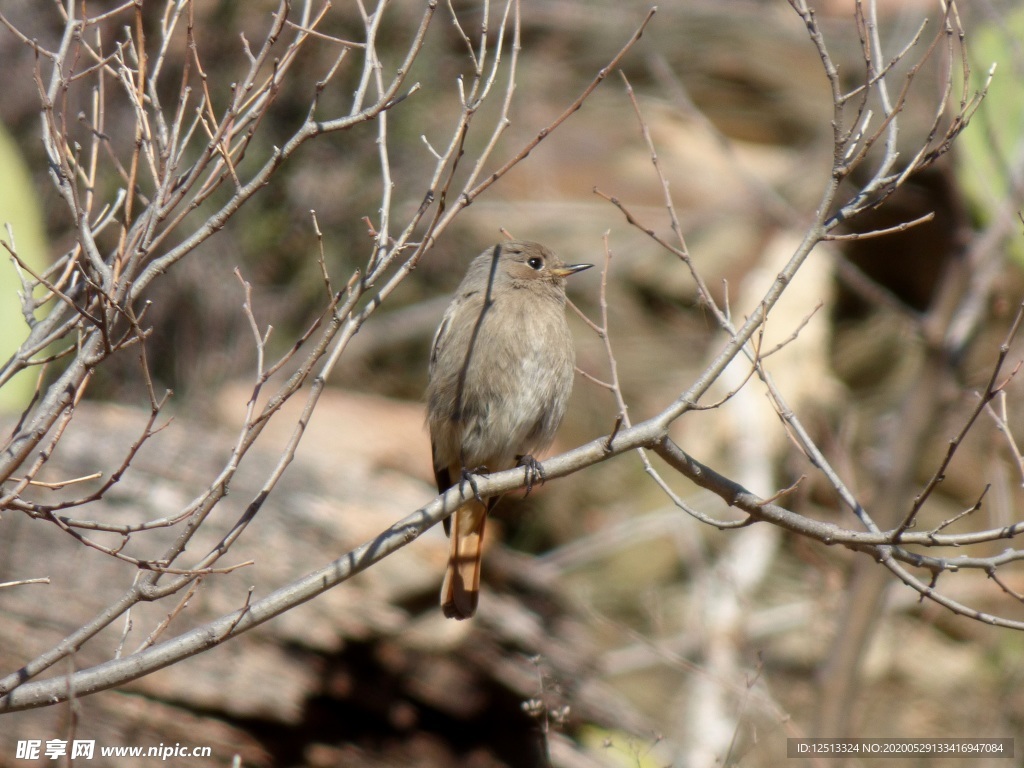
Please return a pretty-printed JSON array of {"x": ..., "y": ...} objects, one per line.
[{"x": 501, "y": 371}]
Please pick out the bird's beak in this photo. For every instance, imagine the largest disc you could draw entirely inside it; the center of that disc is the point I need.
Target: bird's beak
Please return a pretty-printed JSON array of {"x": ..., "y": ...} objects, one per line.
[{"x": 569, "y": 269}]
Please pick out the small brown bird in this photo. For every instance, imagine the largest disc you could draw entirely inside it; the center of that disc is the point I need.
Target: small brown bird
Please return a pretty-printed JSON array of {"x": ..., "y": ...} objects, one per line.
[{"x": 501, "y": 371}]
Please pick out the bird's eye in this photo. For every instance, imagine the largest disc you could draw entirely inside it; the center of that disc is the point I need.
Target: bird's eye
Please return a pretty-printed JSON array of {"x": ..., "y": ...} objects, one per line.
[{"x": 535, "y": 262}]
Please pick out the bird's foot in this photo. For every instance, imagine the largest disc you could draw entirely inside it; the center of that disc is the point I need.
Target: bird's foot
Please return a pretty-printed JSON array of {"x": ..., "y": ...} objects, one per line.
[
  {"x": 469, "y": 476},
  {"x": 532, "y": 468}
]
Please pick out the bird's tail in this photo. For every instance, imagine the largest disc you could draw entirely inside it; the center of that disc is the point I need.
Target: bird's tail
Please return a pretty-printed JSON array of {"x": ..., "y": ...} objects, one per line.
[{"x": 461, "y": 588}]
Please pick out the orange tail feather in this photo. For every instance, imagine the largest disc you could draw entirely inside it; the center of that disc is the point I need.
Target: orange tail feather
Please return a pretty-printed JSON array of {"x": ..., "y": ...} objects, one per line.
[{"x": 461, "y": 589}]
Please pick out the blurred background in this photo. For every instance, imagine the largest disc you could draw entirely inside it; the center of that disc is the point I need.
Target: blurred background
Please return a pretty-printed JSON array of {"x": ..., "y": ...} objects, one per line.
[{"x": 614, "y": 630}]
